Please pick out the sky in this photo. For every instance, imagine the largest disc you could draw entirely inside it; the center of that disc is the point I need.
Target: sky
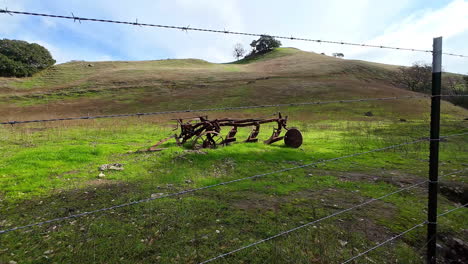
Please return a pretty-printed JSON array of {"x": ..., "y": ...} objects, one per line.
[{"x": 402, "y": 23}]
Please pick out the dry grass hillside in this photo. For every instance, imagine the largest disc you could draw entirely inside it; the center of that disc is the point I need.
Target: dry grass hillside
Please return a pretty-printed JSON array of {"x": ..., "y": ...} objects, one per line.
[{"x": 282, "y": 76}]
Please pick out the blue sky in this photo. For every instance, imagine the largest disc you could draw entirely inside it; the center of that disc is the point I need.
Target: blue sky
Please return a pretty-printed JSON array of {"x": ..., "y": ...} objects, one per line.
[{"x": 398, "y": 22}]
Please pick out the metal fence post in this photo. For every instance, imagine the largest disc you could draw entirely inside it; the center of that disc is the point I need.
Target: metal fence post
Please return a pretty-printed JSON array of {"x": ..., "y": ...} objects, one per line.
[{"x": 434, "y": 151}]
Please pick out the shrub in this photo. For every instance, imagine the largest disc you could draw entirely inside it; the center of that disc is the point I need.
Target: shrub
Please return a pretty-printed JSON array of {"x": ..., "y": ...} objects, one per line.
[
  {"x": 20, "y": 58},
  {"x": 264, "y": 44}
]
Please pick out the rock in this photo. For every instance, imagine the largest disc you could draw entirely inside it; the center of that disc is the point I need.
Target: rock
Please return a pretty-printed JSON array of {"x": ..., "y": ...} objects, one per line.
[
  {"x": 156, "y": 195},
  {"x": 342, "y": 243},
  {"x": 187, "y": 152},
  {"x": 455, "y": 191},
  {"x": 188, "y": 181},
  {"x": 101, "y": 175},
  {"x": 453, "y": 249},
  {"x": 113, "y": 166},
  {"x": 12, "y": 262},
  {"x": 196, "y": 151},
  {"x": 48, "y": 252},
  {"x": 368, "y": 113},
  {"x": 90, "y": 65}
]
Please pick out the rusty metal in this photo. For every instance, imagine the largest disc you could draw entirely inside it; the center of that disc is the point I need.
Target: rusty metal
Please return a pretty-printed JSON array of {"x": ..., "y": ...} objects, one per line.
[
  {"x": 293, "y": 138},
  {"x": 202, "y": 132}
]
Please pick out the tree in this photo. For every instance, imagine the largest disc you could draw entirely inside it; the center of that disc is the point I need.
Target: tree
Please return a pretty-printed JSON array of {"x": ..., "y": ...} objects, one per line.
[
  {"x": 455, "y": 85},
  {"x": 416, "y": 78},
  {"x": 239, "y": 51},
  {"x": 338, "y": 55},
  {"x": 20, "y": 58},
  {"x": 264, "y": 44}
]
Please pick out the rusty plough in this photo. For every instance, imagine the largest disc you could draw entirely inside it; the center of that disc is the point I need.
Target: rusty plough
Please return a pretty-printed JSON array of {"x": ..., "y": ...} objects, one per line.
[{"x": 204, "y": 133}]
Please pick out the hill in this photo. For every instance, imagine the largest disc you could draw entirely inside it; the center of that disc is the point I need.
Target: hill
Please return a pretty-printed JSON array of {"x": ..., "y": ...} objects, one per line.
[{"x": 284, "y": 75}]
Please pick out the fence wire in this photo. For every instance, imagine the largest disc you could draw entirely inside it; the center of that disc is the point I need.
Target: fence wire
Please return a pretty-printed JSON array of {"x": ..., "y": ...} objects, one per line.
[
  {"x": 453, "y": 135},
  {"x": 400, "y": 235},
  {"x": 188, "y": 28},
  {"x": 320, "y": 219},
  {"x": 204, "y": 187},
  {"x": 211, "y": 109},
  {"x": 219, "y": 109}
]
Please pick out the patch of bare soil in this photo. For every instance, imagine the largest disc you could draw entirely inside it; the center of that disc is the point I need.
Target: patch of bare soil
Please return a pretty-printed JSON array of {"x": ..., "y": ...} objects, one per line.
[
  {"x": 393, "y": 177},
  {"x": 368, "y": 227},
  {"x": 453, "y": 249},
  {"x": 254, "y": 202},
  {"x": 455, "y": 191},
  {"x": 332, "y": 199}
]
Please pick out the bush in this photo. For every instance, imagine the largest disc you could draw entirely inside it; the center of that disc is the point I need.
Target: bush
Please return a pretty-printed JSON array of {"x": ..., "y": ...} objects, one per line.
[
  {"x": 418, "y": 78},
  {"x": 20, "y": 58},
  {"x": 264, "y": 44}
]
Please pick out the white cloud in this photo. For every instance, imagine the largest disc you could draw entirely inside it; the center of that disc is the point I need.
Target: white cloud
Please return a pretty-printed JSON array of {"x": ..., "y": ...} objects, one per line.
[{"x": 418, "y": 30}]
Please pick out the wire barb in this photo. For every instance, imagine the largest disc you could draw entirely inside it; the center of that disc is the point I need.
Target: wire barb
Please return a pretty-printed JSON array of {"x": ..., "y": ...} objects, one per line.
[
  {"x": 6, "y": 11},
  {"x": 186, "y": 29},
  {"x": 75, "y": 18},
  {"x": 136, "y": 22}
]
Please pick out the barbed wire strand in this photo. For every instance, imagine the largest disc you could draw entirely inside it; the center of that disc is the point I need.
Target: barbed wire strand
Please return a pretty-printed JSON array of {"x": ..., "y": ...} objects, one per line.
[
  {"x": 188, "y": 28},
  {"x": 400, "y": 235},
  {"x": 451, "y": 95},
  {"x": 454, "y": 135},
  {"x": 205, "y": 187},
  {"x": 211, "y": 109},
  {"x": 385, "y": 242},
  {"x": 320, "y": 219},
  {"x": 453, "y": 209}
]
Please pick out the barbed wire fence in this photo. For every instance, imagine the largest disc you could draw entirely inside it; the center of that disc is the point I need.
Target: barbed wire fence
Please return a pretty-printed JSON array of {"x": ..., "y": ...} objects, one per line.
[
  {"x": 401, "y": 234},
  {"x": 213, "y": 109},
  {"x": 188, "y": 28},
  {"x": 433, "y": 139},
  {"x": 207, "y": 187}
]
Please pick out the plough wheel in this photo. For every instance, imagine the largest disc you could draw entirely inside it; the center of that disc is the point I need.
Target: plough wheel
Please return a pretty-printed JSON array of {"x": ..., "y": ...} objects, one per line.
[
  {"x": 207, "y": 139},
  {"x": 293, "y": 138}
]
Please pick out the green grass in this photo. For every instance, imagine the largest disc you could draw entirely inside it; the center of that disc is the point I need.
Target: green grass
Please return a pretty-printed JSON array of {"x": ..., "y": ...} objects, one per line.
[
  {"x": 276, "y": 53},
  {"x": 51, "y": 171}
]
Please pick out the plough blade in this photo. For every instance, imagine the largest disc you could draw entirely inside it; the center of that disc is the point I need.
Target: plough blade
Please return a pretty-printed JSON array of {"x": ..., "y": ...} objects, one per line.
[{"x": 253, "y": 135}]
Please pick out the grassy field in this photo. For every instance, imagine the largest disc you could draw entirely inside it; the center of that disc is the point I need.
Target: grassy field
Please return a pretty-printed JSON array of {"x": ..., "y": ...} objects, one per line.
[{"x": 50, "y": 170}]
